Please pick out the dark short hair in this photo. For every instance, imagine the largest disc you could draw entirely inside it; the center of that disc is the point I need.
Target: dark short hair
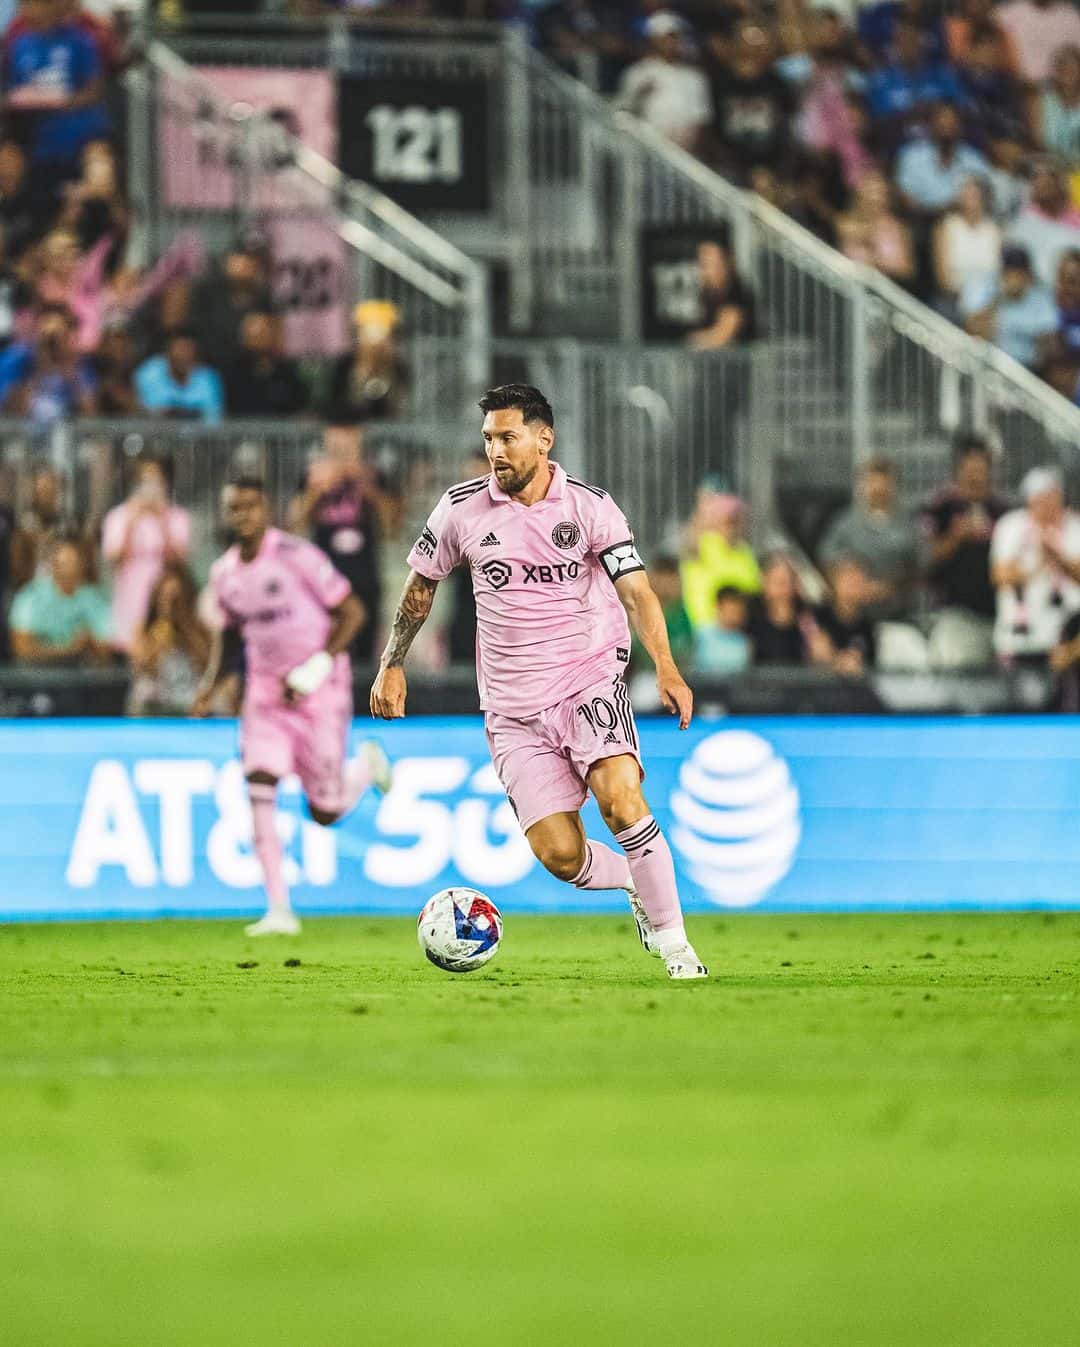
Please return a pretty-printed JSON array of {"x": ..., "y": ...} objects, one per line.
[
  {"x": 665, "y": 561},
  {"x": 729, "y": 592},
  {"x": 986, "y": 32},
  {"x": 526, "y": 399},
  {"x": 247, "y": 481},
  {"x": 879, "y": 464},
  {"x": 968, "y": 442},
  {"x": 1015, "y": 257}
]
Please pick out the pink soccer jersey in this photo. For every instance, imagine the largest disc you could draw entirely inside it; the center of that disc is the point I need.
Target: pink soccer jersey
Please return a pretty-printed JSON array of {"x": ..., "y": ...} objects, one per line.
[
  {"x": 280, "y": 601},
  {"x": 549, "y": 622}
]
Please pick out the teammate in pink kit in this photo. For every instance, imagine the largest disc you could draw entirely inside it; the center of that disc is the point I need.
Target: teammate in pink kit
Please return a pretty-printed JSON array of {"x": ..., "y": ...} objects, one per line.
[
  {"x": 289, "y": 617},
  {"x": 556, "y": 575}
]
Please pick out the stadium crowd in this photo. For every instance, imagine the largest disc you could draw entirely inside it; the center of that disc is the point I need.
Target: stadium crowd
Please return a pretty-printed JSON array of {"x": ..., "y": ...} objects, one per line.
[
  {"x": 938, "y": 145},
  {"x": 936, "y": 142},
  {"x": 969, "y": 581},
  {"x": 905, "y": 136},
  {"x": 92, "y": 326}
]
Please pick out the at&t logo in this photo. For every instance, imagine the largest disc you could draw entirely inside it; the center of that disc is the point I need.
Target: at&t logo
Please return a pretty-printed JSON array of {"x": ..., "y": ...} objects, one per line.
[{"x": 736, "y": 812}]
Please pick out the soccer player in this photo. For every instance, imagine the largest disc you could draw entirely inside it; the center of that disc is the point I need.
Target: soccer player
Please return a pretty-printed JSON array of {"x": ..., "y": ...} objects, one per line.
[
  {"x": 288, "y": 618},
  {"x": 556, "y": 575}
]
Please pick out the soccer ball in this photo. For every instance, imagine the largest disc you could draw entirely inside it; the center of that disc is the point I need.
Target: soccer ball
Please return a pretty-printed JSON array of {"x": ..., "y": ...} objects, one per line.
[{"x": 459, "y": 930}]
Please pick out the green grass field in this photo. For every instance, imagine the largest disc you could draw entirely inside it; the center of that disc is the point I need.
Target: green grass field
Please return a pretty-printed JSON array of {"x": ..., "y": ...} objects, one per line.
[{"x": 862, "y": 1130}]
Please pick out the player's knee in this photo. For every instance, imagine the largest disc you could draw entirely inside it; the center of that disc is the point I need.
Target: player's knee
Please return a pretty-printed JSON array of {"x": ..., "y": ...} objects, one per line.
[
  {"x": 622, "y": 807},
  {"x": 563, "y": 858}
]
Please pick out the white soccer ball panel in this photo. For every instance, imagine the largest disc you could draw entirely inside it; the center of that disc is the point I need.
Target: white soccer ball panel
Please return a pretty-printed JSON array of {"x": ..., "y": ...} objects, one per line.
[{"x": 459, "y": 929}]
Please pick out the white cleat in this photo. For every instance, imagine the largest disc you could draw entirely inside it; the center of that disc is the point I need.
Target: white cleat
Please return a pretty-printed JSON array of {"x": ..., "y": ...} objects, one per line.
[
  {"x": 378, "y": 765},
  {"x": 684, "y": 965},
  {"x": 277, "y": 921},
  {"x": 645, "y": 931}
]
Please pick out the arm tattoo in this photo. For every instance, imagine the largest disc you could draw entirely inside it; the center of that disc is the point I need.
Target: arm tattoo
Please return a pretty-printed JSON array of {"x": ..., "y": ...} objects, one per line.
[{"x": 416, "y": 600}]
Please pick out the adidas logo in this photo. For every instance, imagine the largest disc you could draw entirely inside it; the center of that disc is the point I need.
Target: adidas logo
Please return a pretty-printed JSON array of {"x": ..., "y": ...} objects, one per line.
[
  {"x": 611, "y": 737},
  {"x": 489, "y": 541}
]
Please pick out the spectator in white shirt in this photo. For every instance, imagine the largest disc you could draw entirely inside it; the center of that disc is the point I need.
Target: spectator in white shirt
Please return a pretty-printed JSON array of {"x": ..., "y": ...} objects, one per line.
[
  {"x": 1049, "y": 224},
  {"x": 1035, "y": 568},
  {"x": 967, "y": 245},
  {"x": 666, "y": 89},
  {"x": 1038, "y": 28}
]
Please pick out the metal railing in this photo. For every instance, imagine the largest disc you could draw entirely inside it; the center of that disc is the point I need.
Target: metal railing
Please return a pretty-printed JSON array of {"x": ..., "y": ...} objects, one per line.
[
  {"x": 865, "y": 368},
  {"x": 648, "y": 423},
  {"x": 412, "y": 461},
  {"x": 186, "y": 133}
]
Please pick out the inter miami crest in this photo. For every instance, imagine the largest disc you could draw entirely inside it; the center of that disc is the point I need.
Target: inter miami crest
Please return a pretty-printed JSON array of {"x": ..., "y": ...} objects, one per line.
[
  {"x": 271, "y": 588},
  {"x": 565, "y": 535},
  {"x": 497, "y": 573}
]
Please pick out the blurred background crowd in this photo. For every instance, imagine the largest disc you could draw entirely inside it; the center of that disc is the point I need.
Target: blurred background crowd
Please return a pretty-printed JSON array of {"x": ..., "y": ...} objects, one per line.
[{"x": 940, "y": 145}]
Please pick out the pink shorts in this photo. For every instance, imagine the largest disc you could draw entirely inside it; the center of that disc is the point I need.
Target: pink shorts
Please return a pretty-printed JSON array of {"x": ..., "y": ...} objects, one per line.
[
  {"x": 544, "y": 762},
  {"x": 310, "y": 739}
]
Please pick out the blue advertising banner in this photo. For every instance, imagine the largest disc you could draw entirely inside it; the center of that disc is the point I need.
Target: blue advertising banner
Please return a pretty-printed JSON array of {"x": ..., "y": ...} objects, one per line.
[{"x": 129, "y": 818}]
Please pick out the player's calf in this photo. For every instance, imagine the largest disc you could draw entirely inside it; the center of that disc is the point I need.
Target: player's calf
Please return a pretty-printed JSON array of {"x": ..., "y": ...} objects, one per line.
[
  {"x": 370, "y": 768},
  {"x": 280, "y": 918},
  {"x": 558, "y": 843},
  {"x": 616, "y": 783}
]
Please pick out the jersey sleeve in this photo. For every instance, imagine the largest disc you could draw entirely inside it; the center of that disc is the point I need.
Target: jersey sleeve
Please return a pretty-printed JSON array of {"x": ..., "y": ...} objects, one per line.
[
  {"x": 219, "y": 613},
  {"x": 320, "y": 575},
  {"x": 436, "y": 552},
  {"x": 612, "y": 541}
]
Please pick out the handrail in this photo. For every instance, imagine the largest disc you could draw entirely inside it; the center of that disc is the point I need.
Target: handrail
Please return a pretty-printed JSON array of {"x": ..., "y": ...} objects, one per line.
[
  {"x": 293, "y": 25},
  {"x": 776, "y": 222},
  {"x": 328, "y": 176},
  {"x": 955, "y": 346}
]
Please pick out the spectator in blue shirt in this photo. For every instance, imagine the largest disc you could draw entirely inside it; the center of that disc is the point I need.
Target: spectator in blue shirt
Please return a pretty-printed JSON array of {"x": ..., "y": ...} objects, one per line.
[
  {"x": 1014, "y": 312},
  {"x": 878, "y": 23},
  {"x": 53, "y": 77},
  {"x": 175, "y": 384},
  {"x": 46, "y": 379},
  {"x": 59, "y": 618},
  {"x": 901, "y": 96},
  {"x": 930, "y": 173},
  {"x": 1067, "y": 299},
  {"x": 992, "y": 97}
]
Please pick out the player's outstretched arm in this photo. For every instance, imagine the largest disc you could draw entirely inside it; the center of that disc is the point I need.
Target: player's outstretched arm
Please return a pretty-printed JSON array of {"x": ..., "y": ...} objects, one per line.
[
  {"x": 647, "y": 619},
  {"x": 388, "y": 690},
  {"x": 226, "y": 651}
]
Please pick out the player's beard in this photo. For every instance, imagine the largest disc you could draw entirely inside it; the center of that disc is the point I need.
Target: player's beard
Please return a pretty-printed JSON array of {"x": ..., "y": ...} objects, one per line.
[{"x": 518, "y": 481}]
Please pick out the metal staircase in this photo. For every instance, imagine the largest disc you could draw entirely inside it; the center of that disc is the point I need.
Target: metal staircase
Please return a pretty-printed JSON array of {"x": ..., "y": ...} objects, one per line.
[{"x": 850, "y": 364}]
